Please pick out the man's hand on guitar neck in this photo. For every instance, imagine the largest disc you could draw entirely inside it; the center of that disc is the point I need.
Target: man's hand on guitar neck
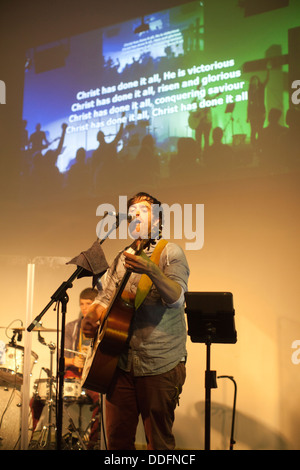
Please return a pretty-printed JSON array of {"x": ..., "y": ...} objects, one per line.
[{"x": 90, "y": 323}]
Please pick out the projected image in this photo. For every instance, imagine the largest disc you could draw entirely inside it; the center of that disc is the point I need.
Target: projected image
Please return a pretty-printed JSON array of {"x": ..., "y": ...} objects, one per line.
[{"x": 168, "y": 99}]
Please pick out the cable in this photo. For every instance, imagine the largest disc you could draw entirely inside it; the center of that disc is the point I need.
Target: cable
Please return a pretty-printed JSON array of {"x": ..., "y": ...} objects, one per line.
[{"x": 232, "y": 441}]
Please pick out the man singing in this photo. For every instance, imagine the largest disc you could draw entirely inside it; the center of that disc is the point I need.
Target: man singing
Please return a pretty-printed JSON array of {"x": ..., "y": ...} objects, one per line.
[{"x": 151, "y": 368}]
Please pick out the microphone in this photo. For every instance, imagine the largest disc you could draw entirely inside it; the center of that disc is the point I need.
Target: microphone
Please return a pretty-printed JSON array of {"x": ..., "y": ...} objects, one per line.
[{"x": 119, "y": 216}]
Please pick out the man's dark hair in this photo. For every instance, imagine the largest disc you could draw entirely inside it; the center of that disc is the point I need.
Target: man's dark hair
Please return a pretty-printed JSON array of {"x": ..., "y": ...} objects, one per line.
[{"x": 88, "y": 293}]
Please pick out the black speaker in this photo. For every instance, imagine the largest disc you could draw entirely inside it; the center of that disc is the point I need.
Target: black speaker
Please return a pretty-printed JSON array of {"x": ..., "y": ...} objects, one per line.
[
  {"x": 294, "y": 54},
  {"x": 256, "y": 7}
]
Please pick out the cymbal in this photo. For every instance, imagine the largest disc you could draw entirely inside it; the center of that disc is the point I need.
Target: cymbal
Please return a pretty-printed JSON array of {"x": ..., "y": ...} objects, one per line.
[{"x": 36, "y": 328}]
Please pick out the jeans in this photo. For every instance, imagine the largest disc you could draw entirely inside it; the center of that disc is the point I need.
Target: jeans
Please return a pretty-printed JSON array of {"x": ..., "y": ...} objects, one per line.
[{"x": 153, "y": 397}]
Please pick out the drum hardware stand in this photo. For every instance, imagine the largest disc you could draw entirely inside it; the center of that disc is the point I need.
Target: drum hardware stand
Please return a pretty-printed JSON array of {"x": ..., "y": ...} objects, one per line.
[
  {"x": 45, "y": 437},
  {"x": 210, "y": 320},
  {"x": 98, "y": 416},
  {"x": 83, "y": 435},
  {"x": 18, "y": 332},
  {"x": 73, "y": 428},
  {"x": 13, "y": 344},
  {"x": 17, "y": 382},
  {"x": 91, "y": 261}
]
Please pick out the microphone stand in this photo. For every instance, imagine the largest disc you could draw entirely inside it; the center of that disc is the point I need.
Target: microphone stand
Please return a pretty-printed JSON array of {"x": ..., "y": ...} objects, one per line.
[{"x": 60, "y": 296}]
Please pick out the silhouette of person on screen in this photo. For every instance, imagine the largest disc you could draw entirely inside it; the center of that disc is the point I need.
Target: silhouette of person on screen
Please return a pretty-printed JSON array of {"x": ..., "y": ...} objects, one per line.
[
  {"x": 218, "y": 156},
  {"x": 269, "y": 140},
  {"x": 201, "y": 122},
  {"x": 78, "y": 175},
  {"x": 45, "y": 177},
  {"x": 147, "y": 161},
  {"x": 38, "y": 140},
  {"x": 256, "y": 112},
  {"x": 289, "y": 141},
  {"x": 104, "y": 159},
  {"x": 184, "y": 166},
  {"x": 24, "y": 137}
]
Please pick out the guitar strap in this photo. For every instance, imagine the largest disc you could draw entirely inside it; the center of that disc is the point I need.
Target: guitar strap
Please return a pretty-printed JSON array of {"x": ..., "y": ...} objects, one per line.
[{"x": 145, "y": 283}]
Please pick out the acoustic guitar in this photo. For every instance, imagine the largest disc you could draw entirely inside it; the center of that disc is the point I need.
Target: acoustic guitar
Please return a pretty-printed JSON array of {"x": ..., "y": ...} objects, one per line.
[
  {"x": 197, "y": 118},
  {"x": 110, "y": 339},
  {"x": 201, "y": 116}
]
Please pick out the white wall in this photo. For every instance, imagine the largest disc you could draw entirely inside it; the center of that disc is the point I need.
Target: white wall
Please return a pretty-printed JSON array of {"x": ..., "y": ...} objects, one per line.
[{"x": 250, "y": 249}]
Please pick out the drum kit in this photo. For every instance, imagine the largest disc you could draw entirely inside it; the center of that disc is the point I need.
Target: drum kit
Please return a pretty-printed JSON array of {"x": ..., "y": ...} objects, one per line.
[{"x": 78, "y": 406}]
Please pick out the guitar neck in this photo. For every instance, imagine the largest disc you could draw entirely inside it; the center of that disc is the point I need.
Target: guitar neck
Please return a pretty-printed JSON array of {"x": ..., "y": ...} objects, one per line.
[
  {"x": 122, "y": 285},
  {"x": 116, "y": 296}
]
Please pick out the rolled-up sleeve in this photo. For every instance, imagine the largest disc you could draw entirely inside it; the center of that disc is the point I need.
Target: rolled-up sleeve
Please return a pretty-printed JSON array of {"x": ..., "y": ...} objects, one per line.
[{"x": 174, "y": 265}]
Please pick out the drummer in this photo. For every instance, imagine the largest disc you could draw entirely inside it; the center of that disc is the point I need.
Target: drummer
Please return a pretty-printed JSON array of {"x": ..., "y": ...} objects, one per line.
[
  {"x": 74, "y": 362},
  {"x": 76, "y": 341},
  {"x": 74, "y": 338}
]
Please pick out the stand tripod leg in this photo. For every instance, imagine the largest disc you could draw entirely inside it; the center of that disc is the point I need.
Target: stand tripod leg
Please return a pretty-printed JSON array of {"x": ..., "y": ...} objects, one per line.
[
  {"x": 48, "y": 427},
  {"x": 210, "y": 382}
]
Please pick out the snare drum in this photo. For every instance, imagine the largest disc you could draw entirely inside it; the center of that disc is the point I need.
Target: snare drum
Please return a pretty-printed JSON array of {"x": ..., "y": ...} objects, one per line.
[
  {"x": 12, "y": 364},
  {"x": 72, "y": 389},
  {"x": 41, "y": 389}
]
